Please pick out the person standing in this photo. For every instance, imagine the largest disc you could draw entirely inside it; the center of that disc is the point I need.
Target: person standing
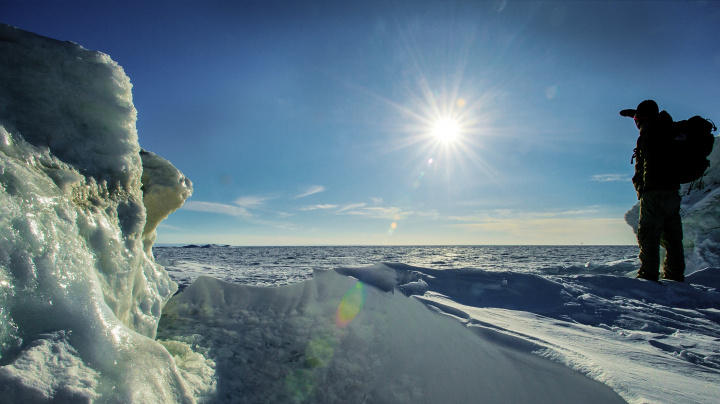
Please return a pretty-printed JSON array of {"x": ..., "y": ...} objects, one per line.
[{"x": 657, "y": 186}]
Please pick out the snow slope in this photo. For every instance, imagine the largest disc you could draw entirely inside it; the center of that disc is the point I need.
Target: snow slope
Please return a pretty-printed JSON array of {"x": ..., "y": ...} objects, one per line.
[
  {"x": 649, "y": 342},
  {"x": 333, "y": 339}
]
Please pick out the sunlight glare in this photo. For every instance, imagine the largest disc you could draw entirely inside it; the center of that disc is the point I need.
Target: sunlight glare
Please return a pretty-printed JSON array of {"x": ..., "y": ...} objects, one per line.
[{"x": 446, "y": 129}]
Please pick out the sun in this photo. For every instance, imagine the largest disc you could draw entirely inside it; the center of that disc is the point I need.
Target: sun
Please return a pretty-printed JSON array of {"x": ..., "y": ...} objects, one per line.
[{"x": 446, "y": 130}]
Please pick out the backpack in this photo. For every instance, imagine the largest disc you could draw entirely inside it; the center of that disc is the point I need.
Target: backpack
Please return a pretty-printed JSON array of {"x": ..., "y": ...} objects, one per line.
[{"x": 692, "y": 144}]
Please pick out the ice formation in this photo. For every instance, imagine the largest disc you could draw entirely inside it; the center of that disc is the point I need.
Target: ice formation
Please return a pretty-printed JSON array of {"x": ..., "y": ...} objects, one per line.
[
  {"x": 80, "y": 296},
  {"x": 165, "y": 189}
]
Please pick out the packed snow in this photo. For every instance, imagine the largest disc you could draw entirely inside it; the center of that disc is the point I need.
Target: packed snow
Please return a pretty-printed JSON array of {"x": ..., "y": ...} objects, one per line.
[{"x": 86, "y": 313}]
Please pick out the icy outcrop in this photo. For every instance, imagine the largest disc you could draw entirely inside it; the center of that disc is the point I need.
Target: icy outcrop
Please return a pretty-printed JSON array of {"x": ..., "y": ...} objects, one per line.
[
  {"x": 165, "y": 189},
  {"x": 700, "y": 211},
  {"x": 76, "y": 281},
  {"x": 701, "y": 217}
]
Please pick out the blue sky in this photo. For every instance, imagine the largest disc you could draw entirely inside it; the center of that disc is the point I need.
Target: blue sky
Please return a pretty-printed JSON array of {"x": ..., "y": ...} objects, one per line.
[{"x": 312, "y": 123}]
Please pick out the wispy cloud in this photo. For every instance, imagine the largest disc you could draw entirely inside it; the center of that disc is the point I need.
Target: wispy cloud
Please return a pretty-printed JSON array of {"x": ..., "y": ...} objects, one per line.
[
  {"x": 311, "y": 191},
  {"x": 352, "y": 206},
  {"x": 377, "y": 212},
  {"x": 219, "y": 208},
  {"x": 167, "y": 226},
  {"x": 386, "y": 212},
  {"x": 505, "y": 216},
  {"x": 319, "y": 207},
  {"x": 610, "y": 177},
  {"x": 251, "y": 201},
  {"x": 565, "y": 213}
]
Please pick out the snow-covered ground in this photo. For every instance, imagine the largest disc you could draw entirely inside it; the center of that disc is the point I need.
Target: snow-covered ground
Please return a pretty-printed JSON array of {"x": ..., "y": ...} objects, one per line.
[
  {"x": 81, "y": 295},
  {"x": 650, "y": 342}
]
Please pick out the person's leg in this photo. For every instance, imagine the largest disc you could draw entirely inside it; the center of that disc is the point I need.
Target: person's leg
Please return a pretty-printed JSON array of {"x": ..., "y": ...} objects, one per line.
[
  {"x": 649, "y": 233},
  {"x": 672, "y": 236}
]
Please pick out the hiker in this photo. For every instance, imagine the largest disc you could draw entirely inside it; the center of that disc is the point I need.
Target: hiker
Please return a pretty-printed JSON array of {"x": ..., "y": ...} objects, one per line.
[{"x": 657, "y": 185}]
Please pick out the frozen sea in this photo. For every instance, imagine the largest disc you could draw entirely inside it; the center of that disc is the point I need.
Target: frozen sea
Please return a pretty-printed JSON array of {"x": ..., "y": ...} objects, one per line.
[{"x": 268, "y": 266}]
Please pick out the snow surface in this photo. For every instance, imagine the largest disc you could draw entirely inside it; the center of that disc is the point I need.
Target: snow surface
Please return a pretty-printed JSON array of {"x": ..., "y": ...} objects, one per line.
[
  {"x": 651, "y": 343},
  {"x": 289, "y": 344},
  {"x": 81, "y": 296}
]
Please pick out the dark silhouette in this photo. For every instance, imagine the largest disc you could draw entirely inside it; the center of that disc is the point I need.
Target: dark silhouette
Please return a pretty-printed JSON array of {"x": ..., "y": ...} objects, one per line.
[{"x": 657, "y": 184}]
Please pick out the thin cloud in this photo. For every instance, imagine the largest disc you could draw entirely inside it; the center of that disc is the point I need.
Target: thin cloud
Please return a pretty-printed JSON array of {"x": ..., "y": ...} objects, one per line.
[
  {"x": 351, "y": 207},
  {"x": 167, "y": 226},
  {"x": 378, "y": 212},
  {"x": 578, "y": 212},
  {"x": 610, "y": 177},
  {"x": 219, "y": 208},
  {"x": 250, "y": 201},
  {"x": 319, "y": 207},
  {"x": 390, "y": 212},
  {"x": 509, "y": 215},
  {"x": 484, "y": 215},
  {"x": 311, "y": 191}
]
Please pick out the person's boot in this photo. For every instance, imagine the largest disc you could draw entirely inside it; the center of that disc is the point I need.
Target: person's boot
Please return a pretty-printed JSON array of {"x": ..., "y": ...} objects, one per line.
[{"x": 646, "y": 276}]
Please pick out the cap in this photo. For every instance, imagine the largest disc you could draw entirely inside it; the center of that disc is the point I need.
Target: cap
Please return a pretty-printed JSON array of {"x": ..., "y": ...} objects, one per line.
[{"x": 645, "y": 109}]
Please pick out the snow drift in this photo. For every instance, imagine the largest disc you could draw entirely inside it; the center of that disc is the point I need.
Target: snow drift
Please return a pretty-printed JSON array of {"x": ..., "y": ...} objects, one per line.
[{"x": 334, "y": 339}]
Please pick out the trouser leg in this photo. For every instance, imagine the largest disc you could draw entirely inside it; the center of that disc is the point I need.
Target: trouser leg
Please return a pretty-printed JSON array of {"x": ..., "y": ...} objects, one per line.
[
  {"x": 671, "y": 240},
  {"x": 650, "y": 231}
]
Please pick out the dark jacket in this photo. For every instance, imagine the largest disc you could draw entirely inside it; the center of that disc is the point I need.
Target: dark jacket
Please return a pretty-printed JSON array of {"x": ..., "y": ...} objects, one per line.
[{"x": 654, "y": 163}]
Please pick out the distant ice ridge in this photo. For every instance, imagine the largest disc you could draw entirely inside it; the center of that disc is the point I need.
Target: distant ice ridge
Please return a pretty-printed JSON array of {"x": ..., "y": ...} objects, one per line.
[
  {"x": 700, "y": 211},
  {"x": 80, "y": 294}
]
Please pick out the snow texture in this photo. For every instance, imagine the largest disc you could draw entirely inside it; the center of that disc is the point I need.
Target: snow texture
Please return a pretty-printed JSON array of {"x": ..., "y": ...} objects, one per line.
[
  {"x": 650, "y": 342},
  {"x": 287, "y": 344}
]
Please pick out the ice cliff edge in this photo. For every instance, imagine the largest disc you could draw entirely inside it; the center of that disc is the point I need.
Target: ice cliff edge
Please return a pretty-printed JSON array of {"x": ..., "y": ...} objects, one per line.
[{"x": 79, "y": 204}]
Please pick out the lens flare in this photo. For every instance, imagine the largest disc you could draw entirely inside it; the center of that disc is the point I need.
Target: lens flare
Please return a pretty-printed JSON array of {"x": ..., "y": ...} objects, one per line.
[{"x": 350, "y": 305}]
